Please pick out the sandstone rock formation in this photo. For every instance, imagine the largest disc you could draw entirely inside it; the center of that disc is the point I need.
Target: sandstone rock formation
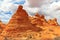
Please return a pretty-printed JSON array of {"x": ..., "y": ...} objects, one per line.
[
  {"x": 2, "y": 26},
  {"x": 24, "y": 27},
  {"x": 19, "y": 23},
  {"x": 39, "y": 20},
  {"x": 53, "y": 22}
]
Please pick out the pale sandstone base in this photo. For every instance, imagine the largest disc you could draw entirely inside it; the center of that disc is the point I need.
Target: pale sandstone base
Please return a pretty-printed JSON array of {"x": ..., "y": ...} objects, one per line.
[{"x": 28, "y": 35}]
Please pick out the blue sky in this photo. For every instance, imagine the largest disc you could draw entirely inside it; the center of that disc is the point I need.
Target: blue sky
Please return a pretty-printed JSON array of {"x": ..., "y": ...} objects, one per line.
[
  {"x": 5, "y": 11},
  {"x": 49, "y": 8}
]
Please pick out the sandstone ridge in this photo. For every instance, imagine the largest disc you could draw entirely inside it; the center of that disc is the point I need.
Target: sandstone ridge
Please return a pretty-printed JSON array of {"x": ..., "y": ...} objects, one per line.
[{"x": 24, "y": 27}]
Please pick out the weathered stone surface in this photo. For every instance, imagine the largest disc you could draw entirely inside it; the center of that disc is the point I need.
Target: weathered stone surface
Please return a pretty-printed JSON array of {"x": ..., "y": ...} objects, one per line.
[
  {"x": 24, "y": 27},
  {"x": 2, "y": 26},
  {"x": 19, "y": 23},
  {"x": 39, "y": 20},
  {"x": 53, "y": 22}
]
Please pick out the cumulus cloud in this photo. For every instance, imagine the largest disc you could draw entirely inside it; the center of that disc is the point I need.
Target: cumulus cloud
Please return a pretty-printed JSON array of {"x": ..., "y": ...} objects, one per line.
[
  {"x": 49, "y": 8},
  {"x": 53, "y": 11},
  {"x": 33, "y": 6},
  {"x": 31, "y": 11},
  {"x": 7, "y": 8},
  {"x": 37, "y": 3}
]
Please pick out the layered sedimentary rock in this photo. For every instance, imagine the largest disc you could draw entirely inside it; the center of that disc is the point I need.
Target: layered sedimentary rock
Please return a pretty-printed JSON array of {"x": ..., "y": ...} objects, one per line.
[
  {"x": 24, "y": 27},
  {"x": 39, "y": 20},
  {"x": 19, "y": 23},
  {"x": 2, "y": 26},
  {"x": 53, "y": 22}
]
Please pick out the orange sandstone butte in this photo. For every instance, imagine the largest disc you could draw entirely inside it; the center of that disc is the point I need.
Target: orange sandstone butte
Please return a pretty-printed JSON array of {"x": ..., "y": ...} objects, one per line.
[{"x": 22, "y": 22}]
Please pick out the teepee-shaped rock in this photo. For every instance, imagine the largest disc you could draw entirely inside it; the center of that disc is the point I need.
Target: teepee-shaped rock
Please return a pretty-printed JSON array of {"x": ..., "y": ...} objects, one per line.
[
  {"x": 30, "y": 27},
  {"x": 20, "y": 23}
]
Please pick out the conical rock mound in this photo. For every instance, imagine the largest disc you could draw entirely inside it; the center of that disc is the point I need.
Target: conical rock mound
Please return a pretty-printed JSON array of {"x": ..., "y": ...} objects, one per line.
[
  {"x": 20, "y": 23},
  {"x": 24, "y": 27}
]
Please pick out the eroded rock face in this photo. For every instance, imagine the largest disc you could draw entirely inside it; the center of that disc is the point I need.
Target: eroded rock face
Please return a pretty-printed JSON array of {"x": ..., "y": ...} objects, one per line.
[
  {"x": 53, "y": 22},
  {"x": 2, "y": 26},
  {"x": 24, "y": 27},
  {"x": 39, "y": 20},
  {"x": 20, "y": 23}
]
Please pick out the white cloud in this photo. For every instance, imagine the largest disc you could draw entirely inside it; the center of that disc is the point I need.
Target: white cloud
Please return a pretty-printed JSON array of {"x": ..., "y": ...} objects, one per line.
[
  {"x": 31, "y": 10},
  {"x": 4, "y": 17},
  {"x": 50, "y": 8},
  {"x": 53, "y": 10},
  {"x": 37, "y": 3},
  {"x": 5, "y": 7},
  {"x": 56, "y": 10},
  {"x": 33, "y": 6}
]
